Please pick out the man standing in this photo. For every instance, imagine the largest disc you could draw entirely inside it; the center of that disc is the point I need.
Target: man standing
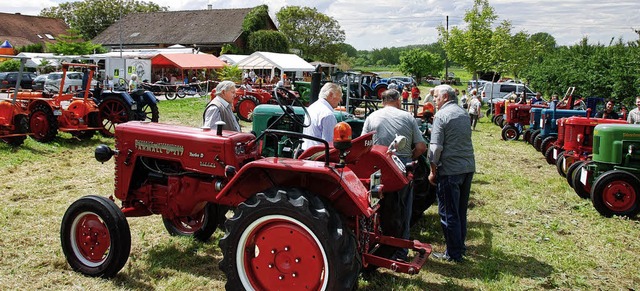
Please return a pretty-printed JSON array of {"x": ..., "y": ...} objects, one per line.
[
  {"x": 219, "y": 109},
  {"x": 452, "y": 167},
  {"x": 608, "y": 112},
  {"x": 634, "y": 115},
  {"x": 429, "y": 97},
  {"x": 321, "y": 114},
  {"x": 388, "y": 122}
]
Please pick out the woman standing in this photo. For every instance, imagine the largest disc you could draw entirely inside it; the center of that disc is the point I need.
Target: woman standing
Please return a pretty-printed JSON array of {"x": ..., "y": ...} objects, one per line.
[{"x": 474, "y": 109}]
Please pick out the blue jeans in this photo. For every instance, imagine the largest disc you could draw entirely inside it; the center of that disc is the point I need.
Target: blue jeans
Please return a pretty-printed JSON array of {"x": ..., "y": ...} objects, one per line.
[{"x": 453, "y": 201}]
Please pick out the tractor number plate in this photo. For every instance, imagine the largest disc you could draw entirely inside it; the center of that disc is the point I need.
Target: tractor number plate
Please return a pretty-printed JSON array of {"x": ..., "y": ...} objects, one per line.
[
  {"x": 57, "y": 112},
  {"x": 583, "y": 176}
]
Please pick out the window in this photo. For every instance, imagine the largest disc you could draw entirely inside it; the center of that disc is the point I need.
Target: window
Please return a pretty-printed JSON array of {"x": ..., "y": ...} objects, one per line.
[
  {"x": 39, "y": 36},
  {"x": 49, "y": 36}
]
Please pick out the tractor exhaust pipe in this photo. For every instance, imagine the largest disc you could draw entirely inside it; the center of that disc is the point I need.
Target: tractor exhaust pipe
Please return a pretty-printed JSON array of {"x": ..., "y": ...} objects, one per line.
[{"x": 315, "y": 84}]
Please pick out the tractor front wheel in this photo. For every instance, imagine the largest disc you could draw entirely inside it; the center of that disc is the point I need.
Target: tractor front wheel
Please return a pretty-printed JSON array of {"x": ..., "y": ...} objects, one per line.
[
  {"x": 570, "y": 170},
  {"x": 510, "y": 132},
  {"x": 245, "y": 107},
  {"x": 549, "y": 154},
  {"x": 113, "y": 111},
  {"x": 537, "y": 142},
  {"x": 533, "y": 136},
  {"x": 21, "y": 126},
  {"x": 561, "y": 164},
  {"x": 580, "y": 188},
  {"x": 616, "y": 193},
  {"x": 95, "y": 237},
  {"x": 288, "y": 239},
  {"x": 201, "y": 226},
  {"x": 547, "y": 143},
  {"x": 527, "y": 135},
  {"x": 42, "y": 123}
]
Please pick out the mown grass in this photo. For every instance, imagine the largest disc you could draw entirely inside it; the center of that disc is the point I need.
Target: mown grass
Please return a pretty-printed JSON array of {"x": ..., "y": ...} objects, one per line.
[{"x": 527, "y": 229}]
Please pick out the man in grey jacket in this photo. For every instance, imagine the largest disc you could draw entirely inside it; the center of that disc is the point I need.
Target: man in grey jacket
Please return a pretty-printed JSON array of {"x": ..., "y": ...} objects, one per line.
[{"x": 219, "y": 109}]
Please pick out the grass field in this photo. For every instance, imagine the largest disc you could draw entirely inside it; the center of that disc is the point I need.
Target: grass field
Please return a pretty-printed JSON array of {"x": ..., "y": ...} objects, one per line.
[{"x": 527, "y": 229}]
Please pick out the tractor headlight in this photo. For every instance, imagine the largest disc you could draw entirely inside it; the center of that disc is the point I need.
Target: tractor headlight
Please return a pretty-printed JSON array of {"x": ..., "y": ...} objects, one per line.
[
  {"x": 240, "y": 149},
  {"x": 375, "y": 188},
  {"x": 580, "y": 137}
]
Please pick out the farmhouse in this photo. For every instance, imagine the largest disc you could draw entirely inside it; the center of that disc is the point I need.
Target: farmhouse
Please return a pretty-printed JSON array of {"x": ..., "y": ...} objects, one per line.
[
  {"x": 22, "y": 30},
  {"x": 207, "y": 30}
]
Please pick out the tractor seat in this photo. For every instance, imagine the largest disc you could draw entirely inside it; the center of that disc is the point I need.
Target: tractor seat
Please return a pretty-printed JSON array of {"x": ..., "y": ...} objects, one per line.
[{"x": 359, "y": 146}]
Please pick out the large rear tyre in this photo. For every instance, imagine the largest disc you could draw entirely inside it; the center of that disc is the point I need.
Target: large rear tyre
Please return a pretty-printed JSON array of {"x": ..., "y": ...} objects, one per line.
[
  {"x": 616, "y": 193},
  {"x": 43, "y": 123},
  {"x": 245, "y": 107},
  {"x": 510, "y": 132},
  {"x": 580, "y": 188},
  {"x": 201, "y": 226},
  {"x": 113, "y": 111},
  {"x": 21, "y": 123},
  {"x": 288, "y": 240},
  {"x": 95, "y": 237}
]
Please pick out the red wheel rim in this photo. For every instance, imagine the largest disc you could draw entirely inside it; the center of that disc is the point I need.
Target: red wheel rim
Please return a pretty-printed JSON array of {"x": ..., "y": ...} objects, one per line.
[
  {"x": 39, "y": 124},
  {"x": 246, "y": 108},
  {"x": 278, "y": 252},
  {"x": 188, "y": 224},
  {"x": 511, "y": 133},
  {"x": 380, "y": 91},
  {"x": 619, "y": 196},
  {"x": 111, "y": 113},
  {"x": 90, "y": 239}
]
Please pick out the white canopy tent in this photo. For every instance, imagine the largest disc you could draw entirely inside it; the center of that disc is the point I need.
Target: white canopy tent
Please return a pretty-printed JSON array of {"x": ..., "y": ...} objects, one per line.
[
  {"x": 272, "y": 61},
  {"x": 35, "y": 59}
]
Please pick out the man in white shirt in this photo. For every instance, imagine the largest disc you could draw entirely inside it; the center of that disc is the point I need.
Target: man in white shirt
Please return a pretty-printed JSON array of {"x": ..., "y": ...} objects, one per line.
[{"x": 321, "y": 114}]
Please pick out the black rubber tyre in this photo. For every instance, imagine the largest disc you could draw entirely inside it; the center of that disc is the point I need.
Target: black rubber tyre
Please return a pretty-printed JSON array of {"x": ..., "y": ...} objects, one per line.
[
  {"x": 201, "y": 226},
  {"x": 560, "y": 164},
  {"x": 88, "y": 134},
  {"x": 113, "y": 111},
  {"x": 547, "y": 143},
  {"x": 499, "y": 121},
  {"x": 616, "y": 193},
  {"x": 245, "y": 106},
  {"x": 21, "y": 123},
  {"x": 537, "y": 142},
  {"x": 151, "y": 112},
  {"x": 582, "y": 190},
  {"x": 527, "y": 135},
  {"x": 95, "y": 237},
  {"x": 303, "y": 243},
  {"x": 570, "y": 170},
  {"x": 510, "y": 132},
  {"x": 493, "y": 119},
  {"x": 181, "y": 92},
  {"x": 548, "y": 155},
  {"x": 533, "y": 136},
  {"x": 42, "y": 123},
  {"x": 170, "y": 94}
]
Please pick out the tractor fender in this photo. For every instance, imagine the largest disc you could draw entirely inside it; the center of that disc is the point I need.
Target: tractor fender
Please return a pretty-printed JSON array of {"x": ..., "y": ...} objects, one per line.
[
  {"x": 35, "y": 103},
  {"x": 149, "y": 98},
  {"x": 118, "y": 94},
  {"x": 340, "y": 186}
]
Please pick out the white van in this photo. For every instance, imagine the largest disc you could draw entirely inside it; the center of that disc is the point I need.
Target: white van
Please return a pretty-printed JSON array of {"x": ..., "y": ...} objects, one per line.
[{"x": 498, "y": 91}]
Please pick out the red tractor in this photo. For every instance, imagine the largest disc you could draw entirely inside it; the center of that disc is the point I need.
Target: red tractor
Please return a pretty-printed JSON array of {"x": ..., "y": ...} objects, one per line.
[
  {"x": 576, "y": 150},
  {"x": 517, "y": 116},
  {"x": 14, "y": 116},
  {"x": 246, "y": 101},
  {"x": 298, "y": 223},
  {"x": 498, "y": 109},
  {"x": 49, "y": 114}
]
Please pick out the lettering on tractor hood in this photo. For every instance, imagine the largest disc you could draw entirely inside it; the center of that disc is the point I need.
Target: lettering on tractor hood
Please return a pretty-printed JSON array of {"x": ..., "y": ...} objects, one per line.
[{"x": 163, "y": 148}]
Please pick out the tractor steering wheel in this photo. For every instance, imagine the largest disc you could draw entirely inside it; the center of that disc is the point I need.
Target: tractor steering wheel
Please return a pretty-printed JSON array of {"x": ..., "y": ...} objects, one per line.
[{"x": 287, "y": 107}]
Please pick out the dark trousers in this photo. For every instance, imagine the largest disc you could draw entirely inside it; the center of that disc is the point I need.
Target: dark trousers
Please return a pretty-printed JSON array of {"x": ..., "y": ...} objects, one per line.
[{"x": 453, "y": 201}]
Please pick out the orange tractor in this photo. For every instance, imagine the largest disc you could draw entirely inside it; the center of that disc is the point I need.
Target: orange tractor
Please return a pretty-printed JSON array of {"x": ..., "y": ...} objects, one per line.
[{"x": 14, "y": 117}]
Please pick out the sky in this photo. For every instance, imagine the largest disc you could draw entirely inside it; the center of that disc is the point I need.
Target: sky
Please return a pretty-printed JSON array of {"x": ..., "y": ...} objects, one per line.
[{"x": 375, "y": 24}]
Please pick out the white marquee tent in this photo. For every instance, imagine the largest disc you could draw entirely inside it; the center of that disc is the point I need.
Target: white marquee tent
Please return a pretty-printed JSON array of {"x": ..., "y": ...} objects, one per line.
[
  {"x": 272, "y": 61},
  {"x": 232, "y": 59}
]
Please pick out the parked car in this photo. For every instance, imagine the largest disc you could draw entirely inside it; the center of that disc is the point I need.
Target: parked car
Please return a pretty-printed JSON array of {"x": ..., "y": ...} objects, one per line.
[
  {"x": 9, "y": 79},
  {"x": 38, "y": 83},
  {"x": 501, "y": 90},
  {"x": 73, "y": 81}
]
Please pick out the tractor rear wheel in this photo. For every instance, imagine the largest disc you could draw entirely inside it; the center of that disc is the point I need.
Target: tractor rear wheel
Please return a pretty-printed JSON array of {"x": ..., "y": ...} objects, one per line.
[
  {"x": 245, "y": 106},
  {"x": 616, "y": 193},
  {"x": 201, "y": 226},
  {"x": 561, "y": 164},
  {"x": 547, "y": 143},
  {"x": 113, "y": 111},
  {"x": 21, "y": 123},
  {"x": 510, "y": 132},
  {"x": 537, "y": 142},
  {"x": 95, "y": 237},
  {"x": 549, "y": 154},
  {"x": 288, "y": 239},
  {"x": 151, "y": 112},
  {"x": 580, "y": 188},
  {"x": 42, "y": 123}
]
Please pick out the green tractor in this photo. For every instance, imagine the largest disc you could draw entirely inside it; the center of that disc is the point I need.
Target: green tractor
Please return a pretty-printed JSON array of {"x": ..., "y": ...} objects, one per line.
[{"x": 614, "y": 173}]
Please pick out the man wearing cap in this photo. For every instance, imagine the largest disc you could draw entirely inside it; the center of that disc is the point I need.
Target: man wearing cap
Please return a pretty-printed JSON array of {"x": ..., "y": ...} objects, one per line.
[{"x": 219, "y": 109}]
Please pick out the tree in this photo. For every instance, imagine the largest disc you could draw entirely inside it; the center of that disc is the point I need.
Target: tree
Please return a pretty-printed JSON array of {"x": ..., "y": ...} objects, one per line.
[
  {"x": 72, "y": 44},
  {"x": 269, "y": 41},
  {"x": 420, "y": 63},
  {"x": 312, "y": 33},
  {"x": 231, "y": 73},
  {"x": 9, "y": 65},
  {"x": 469, "y": 47},
  {"x": 91, "y": 17}
]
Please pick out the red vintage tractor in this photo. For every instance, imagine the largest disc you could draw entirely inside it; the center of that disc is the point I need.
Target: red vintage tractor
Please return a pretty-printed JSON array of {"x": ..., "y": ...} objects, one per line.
[
  {"x": 247, "y": 100},
  {"x": 14, "y": 115},
  {"x": 577, "y": 148},
  {"x": 298, "y": 223},
  {"x": 517, "y": 117},
  {"x": 65, "y": 112}
]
